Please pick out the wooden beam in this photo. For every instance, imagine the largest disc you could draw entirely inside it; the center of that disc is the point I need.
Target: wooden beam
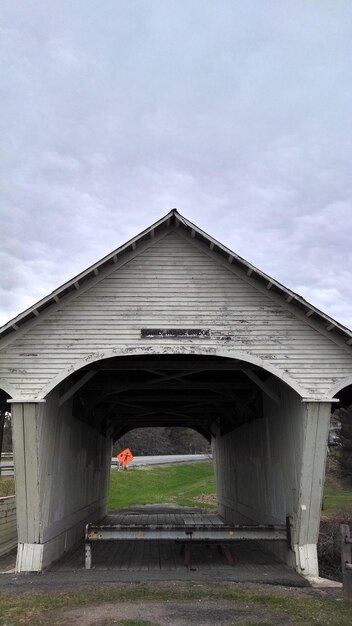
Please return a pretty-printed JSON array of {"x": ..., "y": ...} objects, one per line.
[
  {"x": 166, "y": 415},
  {"x": 201, "y": 365},
  {"x": 223, "y": 411},
  {"x": 194, "y": 406},
  {"x": 156, "y": 398},
  {"x": 269, "y": 392},
  {"x": 128, "y": 414},
  {"x": 225, "y": 388},
  {"x": 72, "y": 390},
  {"x": 162, "y": 378},
  {"x": 138, "y": 407}
]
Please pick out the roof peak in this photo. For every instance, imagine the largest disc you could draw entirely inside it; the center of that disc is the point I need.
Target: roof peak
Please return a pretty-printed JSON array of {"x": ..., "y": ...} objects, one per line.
[{"x": 174, "y": 219}]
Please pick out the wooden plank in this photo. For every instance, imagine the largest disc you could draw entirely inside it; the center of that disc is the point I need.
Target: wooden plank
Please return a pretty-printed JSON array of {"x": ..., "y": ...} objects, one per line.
[
  {"x": 121, "y": 554},
  {"x": 8, "y": 546},
  {"x": 145, "y": 555},
  {"x": 8, "y": 521},
  {"x": 8, "y": 534},
  {"x": 154, "y": 561},
  {"x": 10, "y": 524}
]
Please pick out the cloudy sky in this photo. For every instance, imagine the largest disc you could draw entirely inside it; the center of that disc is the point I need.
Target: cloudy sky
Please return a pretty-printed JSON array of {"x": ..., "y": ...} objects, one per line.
[{"x": 237, "y": 113}]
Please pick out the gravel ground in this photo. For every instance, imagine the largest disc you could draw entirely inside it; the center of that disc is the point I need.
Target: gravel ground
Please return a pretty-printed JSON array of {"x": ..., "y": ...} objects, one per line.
[{"x": 199, "y": 612}]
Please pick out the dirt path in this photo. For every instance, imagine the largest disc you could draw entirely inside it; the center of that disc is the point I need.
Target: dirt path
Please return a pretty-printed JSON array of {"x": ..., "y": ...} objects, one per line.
[{"x": 199, "y": 612}]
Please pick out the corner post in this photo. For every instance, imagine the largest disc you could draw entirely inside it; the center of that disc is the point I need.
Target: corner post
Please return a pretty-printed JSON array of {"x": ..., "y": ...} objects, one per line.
[
  {"x": 316, "y": 430},
  {"x": 24, "y": 416}
]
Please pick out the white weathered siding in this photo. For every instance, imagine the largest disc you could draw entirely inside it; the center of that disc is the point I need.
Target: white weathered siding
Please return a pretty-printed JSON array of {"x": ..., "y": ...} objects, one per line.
[
  {"x": 74, "y": 469},
  {"x": 173, "y": 284},
  {"x": 273, "y": 468},
  {"x": 8, "y": 525},
  {"x": 269, "y": 450},
  {"x": 62, "y": 478}
]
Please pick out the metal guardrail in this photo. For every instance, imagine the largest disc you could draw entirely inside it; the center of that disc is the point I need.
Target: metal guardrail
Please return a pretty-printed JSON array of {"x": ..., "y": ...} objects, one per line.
[
  {"x": 192, "y": 532},
  {"x": 206, "y": 533},
  {"x": 7, "y": 470},
  {"x": 346, "y": 561},
  {"x": 162, "y": 459}
]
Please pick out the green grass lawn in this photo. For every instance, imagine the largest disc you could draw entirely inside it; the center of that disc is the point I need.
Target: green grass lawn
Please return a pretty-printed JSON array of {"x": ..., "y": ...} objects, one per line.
[
  {"x": 7, "y": 486},
  {"x": 336, "y": 498},
  {"x": 190, "y": 485},
  {"x": 187, "y": 485}
]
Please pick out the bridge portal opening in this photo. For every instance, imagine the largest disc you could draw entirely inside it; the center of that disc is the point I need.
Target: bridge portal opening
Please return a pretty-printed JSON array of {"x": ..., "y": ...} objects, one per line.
[{"x": 254, "y": 422}]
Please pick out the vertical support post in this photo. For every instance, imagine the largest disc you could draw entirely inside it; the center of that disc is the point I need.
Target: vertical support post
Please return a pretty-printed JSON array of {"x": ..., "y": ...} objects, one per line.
[
  {"x": 186, "y": 555},
  {"x": 25, "y": 417},
  {"x": 228, "y": 554},
  {"x": 88, "y": 555},
  {"x": 346, "y": 560},
  {"x": 25, "y": 444},
  {"x": 316, "y": 429}
]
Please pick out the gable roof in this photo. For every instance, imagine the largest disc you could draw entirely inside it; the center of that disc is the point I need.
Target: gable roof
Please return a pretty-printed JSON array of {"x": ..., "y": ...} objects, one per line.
[{"x": 175, "y": 219}]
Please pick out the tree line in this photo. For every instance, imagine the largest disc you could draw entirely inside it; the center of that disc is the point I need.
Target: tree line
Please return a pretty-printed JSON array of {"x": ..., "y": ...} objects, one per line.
[
  {"x": 162, "y": 440},
  {"x": 343, "y": 417}
]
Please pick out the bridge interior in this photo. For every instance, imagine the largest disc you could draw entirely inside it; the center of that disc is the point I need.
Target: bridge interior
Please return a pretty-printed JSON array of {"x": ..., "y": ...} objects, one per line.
[
  {"x": 161, "y": 560},
  {"x": 203, "y": 393}
]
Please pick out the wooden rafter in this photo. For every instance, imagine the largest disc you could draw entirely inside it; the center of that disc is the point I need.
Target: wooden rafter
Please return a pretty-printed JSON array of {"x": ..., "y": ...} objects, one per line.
[
  {"x": 75, "y": 387},
  {"x": 269, "y": 392}
]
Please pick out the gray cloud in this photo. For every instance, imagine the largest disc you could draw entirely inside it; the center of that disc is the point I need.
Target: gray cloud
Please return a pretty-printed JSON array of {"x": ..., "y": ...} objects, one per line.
[{"x": 239, "y": 114}]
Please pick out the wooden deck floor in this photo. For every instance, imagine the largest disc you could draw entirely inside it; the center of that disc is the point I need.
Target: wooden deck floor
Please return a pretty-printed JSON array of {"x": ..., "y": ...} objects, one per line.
[
  {"x": 160, "y": 555},
  {"x": 163, "y": 516},
  {"x": 155, "y": 559}
]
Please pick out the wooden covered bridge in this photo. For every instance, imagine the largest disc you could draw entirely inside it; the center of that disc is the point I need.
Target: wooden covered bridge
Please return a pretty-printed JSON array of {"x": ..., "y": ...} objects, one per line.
[{"x": 172, "y": 328}]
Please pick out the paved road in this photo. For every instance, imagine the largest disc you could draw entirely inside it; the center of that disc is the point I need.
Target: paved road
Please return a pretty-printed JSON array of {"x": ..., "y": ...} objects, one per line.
[
  {"x": 137, "y": 461},
  {"x": 166, "y": 458}
]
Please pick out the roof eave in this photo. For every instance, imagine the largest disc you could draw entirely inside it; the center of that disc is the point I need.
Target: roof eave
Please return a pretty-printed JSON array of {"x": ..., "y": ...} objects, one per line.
[
  {"x": 54, "y": 297},
  {"x": 175, "y": 218}
]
